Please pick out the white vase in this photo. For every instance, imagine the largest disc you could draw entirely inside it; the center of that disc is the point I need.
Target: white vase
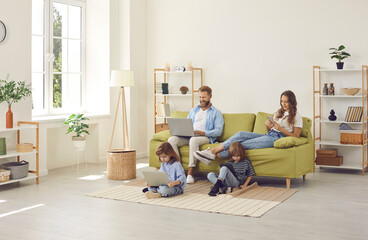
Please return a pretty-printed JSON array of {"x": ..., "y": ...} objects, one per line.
[{"x": 79, "y": 143}]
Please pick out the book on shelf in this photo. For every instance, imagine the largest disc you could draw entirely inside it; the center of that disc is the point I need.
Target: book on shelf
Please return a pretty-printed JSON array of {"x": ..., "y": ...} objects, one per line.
[
  {"x": 163, "y": 109},
  {"x": 354, "y": 114},
  {"x": 158, "y": 88}
]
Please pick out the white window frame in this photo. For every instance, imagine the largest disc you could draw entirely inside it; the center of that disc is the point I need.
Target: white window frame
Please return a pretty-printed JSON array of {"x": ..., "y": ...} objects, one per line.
[{"x": 48, "y": 109}]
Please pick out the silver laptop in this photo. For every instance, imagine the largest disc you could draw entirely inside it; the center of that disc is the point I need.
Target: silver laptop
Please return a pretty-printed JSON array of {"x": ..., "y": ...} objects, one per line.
[
  {"x": 181, "y": 127},
  {"x": 154, "y": 178}
]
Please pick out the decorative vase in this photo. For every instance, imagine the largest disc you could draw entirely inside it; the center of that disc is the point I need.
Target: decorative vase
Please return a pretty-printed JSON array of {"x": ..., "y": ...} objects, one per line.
[
  {"x": 79, "y": 143},
  {"x": 2, "y": 146},
  {"x": 332, "y": 116},
  {"x": 340, "y": 65},
  {"x": 331, "y": 89},
  {"x": 325, "y": 89},
  {"x": 9, "y": 118}
]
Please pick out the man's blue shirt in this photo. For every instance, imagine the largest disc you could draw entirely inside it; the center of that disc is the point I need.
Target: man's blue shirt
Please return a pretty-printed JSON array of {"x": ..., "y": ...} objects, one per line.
[{"x": 214, "y": 122}]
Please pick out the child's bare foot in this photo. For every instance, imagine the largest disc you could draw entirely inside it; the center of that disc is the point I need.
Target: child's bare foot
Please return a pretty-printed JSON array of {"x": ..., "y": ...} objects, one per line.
[{"x": 151, "y": 195}]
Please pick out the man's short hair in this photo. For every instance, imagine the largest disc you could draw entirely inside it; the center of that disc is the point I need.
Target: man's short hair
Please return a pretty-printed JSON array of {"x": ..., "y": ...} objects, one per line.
[{"x": 205, "y": 89}]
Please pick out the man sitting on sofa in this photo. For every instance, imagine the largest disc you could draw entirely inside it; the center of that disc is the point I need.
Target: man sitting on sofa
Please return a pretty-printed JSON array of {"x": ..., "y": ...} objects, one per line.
[{"x": 208, "y": 124}]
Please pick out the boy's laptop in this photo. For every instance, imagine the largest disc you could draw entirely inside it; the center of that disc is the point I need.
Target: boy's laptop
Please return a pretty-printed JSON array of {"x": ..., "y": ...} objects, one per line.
[
  {"x": 181, "y": 127},
  {"x": 154, "y": 178}
]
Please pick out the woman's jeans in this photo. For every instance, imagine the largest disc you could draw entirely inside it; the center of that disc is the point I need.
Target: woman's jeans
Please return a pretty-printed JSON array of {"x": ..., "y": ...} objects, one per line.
[
  {"x": 228, "y": 178},
  {"x": 250, "y": 140},
  {"x": 167, "y": 191}
]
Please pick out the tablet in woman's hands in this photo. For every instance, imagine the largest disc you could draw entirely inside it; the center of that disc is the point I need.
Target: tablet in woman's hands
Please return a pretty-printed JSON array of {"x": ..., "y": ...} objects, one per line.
[{"x": 270, "y": 119}]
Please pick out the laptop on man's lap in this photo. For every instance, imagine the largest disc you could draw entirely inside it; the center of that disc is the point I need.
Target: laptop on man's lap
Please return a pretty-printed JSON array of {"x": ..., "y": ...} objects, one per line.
[{"x": 182, "y": 127}]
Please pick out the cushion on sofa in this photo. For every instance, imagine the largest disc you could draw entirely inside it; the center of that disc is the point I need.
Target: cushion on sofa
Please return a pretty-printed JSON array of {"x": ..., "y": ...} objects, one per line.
[
  {"x": 259, "y": 125},
  {"x": 288, "y": 142},
  {"x": 162, "y": 136},
  {"x": 235, "y": 122},
  {"x": 307, "y": 124}
]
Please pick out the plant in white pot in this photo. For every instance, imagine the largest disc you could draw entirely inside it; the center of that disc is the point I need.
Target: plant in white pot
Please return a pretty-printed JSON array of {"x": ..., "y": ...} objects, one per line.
[{"x": 76, "y": 125}]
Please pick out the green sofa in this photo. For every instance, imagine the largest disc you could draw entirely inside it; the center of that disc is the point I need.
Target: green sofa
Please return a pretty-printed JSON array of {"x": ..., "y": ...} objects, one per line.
[{"x": 290, "y": 158}]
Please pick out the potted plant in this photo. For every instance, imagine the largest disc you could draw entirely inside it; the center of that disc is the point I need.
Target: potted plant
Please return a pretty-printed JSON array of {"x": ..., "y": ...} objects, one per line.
[
  {"x": 12, "y": 92},
  {"x": 339, "y": 54},
  {"x": 76, "y": 125},
  {"x": 184, "y": 89}
]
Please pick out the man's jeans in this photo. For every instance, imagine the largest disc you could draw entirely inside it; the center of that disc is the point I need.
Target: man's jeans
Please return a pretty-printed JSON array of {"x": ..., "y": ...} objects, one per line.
[
  {"x": 250, "y": 140},
  {"x": 228, "y": 179},
  {"x": 193, "y": 142},
  {"x": 167, "y": 191}
]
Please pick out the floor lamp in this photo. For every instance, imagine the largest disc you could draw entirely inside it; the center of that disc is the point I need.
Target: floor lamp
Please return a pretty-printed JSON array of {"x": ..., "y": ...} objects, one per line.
[{"x": 121, "y": 163}]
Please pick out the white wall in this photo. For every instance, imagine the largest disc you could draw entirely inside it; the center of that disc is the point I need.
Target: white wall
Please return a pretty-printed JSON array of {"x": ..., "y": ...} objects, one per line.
[
  {"x": 251, "y": 51},
  {"x": 15, "y": 55}
]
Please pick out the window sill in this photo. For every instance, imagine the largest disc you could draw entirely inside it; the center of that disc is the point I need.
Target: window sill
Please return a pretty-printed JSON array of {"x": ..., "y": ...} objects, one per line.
[{"x": 58, "y": 118}]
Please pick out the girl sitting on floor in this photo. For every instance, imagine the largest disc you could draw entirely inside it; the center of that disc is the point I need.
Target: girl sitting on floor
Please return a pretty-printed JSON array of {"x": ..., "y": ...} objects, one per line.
[
  {"x": 235, "y": 173},
  {"x": 171, "y": 165}
]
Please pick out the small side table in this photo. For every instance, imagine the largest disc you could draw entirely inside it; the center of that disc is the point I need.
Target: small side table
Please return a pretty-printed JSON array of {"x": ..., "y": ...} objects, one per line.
[{"x": 121, "y": 164}]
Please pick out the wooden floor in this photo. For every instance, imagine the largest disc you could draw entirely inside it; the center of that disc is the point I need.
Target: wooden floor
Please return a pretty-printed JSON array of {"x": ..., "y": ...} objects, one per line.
[{"x": 329, "y": 205}]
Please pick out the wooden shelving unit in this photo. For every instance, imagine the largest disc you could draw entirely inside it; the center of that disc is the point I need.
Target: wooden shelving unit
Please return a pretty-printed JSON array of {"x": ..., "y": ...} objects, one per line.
[
  {"x": 187, "y": 74},
  {"x": 22, "y": 125},
  {"x": 330, "y": 139}
]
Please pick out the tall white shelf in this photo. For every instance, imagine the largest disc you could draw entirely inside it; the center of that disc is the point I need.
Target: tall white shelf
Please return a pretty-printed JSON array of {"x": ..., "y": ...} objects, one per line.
[
  {"x": 354, "y": 156},
  {"x": 22, "y": 125},
  {"x": 164, "y": 76}
]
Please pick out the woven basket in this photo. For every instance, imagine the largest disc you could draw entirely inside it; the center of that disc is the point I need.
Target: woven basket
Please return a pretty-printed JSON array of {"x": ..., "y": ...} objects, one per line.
[
  {"x": 351, "y": 137},
  {"x": 121, "y": 164},
  {"x": 4, "y": 175},
  {"x": 24, "y": 147}
]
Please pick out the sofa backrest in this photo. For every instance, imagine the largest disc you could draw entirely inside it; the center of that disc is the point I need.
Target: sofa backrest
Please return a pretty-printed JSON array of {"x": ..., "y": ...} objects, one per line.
[{"x": 235, "y": 122}]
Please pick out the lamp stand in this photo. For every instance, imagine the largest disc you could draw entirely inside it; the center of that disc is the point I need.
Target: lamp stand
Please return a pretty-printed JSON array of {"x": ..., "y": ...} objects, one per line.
[
  {"x": 126, "y": 145},
  {"x": 121, "y": 163}
]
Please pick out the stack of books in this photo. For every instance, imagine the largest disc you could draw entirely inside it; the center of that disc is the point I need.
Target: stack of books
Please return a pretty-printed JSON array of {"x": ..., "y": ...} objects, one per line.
[
  {"x": 328, "y": 157},
  {"x": 354, "y": 114},
  {"x": 163, "y": 109}
]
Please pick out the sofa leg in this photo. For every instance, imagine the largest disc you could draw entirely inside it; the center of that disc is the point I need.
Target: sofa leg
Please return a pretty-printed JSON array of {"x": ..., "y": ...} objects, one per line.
[
  {"x": 304, "y": 176},
  {"x": 157, "y": 169},
  {"x": 288, "y": 180}
]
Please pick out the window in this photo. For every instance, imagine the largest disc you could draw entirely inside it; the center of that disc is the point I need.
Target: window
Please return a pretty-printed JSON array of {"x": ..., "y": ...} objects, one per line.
[{"x": 57, "y": 56}]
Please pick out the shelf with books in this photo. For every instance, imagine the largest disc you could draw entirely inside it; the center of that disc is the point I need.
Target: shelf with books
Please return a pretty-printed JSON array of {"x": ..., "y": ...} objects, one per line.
[
  {"x": 167, "y": 93},
  {"x": 350, "y": 110}
]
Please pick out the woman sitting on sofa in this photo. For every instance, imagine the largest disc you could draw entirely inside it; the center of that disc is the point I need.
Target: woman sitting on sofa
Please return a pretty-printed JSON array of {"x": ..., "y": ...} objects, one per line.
[{"x": 286, "y": 122}]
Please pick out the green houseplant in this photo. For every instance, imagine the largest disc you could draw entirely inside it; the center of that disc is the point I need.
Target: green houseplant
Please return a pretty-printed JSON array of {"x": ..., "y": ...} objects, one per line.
[
  {"x": 340, "y": 55},
  {"x": 76, "y": 125},
  {"x": 12, "y": 92}
]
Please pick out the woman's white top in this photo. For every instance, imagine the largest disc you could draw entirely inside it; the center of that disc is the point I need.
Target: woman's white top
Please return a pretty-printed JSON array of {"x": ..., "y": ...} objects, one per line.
[{"x": 283, "y": 122}]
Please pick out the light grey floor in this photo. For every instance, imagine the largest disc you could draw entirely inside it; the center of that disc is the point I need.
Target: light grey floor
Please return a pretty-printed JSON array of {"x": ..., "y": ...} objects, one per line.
[{"x": 329, "y": 205}]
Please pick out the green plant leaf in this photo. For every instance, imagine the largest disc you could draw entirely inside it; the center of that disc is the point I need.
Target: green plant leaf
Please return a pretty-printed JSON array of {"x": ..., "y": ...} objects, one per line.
[{"x": 341, "y": 47}]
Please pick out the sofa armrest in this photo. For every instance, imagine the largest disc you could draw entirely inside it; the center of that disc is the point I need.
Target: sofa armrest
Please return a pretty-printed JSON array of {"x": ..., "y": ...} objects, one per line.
[
  {"x": 162, "y": 136},
  {"x": 288, "y": 142}
]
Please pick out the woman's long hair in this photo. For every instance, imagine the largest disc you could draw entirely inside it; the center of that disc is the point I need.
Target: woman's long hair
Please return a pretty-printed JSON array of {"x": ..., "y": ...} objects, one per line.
[
  {"x": 292, "y": 112},
  {"x": 166, "y": 148}
]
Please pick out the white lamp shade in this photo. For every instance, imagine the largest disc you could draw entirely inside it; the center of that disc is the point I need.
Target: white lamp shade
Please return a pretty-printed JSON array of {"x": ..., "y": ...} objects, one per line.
[{"x": 121, "y": 78}]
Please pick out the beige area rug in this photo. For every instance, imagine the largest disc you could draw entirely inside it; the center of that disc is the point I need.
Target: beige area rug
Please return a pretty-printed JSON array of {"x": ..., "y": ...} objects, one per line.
[{"x": 253, "y": 201}]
